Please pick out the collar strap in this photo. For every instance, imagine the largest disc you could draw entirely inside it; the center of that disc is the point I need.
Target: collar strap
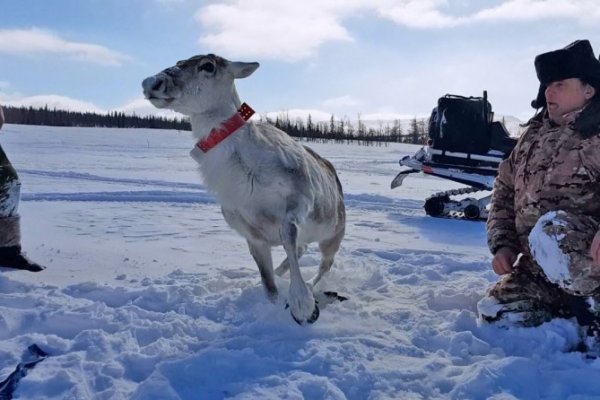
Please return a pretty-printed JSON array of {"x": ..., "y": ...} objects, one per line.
[{"x": 230, "y": 125}]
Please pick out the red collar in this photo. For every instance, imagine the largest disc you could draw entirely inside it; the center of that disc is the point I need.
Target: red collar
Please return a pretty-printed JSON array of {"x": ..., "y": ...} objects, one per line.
[{"x": 230, "y": 125}]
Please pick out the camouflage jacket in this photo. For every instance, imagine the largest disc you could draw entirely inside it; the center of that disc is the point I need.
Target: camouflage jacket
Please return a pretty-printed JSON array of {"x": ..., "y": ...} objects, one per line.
[{"x": 551, "y": 168}]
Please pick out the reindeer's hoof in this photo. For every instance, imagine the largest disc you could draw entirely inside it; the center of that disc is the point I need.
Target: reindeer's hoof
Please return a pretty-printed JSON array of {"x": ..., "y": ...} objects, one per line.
[
  {"x": 335, "y": 296},
  {"x": 314, "y": 316}
]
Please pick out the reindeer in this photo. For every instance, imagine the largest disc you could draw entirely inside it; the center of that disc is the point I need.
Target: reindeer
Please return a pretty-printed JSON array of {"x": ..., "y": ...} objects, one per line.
[{"x": 272, "y": 190}]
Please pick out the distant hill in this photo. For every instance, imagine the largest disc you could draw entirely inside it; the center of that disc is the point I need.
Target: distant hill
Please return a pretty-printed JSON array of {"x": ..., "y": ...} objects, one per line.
[{"x": 512, "y": 124}]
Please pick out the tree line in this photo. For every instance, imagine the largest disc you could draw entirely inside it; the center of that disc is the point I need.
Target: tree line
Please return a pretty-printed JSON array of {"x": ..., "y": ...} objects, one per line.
[
  {"x": 115, "y": 119},
  {"x": 344, "y": 130},
  {"x": 340, "y": 130}
]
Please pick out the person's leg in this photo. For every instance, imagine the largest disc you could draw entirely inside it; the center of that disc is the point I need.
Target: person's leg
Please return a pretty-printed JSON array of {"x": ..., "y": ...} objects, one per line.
[
  {"x": 11, "y": 255},
  {"x": 523, "y": 298},
  {"x": 560, "y": 243}
]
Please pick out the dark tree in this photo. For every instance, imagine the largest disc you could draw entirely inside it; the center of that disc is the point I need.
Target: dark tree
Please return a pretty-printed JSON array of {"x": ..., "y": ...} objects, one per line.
[{"x": 54, "y": 117}]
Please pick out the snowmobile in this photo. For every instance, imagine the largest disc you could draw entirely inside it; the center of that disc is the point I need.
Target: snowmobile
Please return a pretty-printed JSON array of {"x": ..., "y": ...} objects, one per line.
[{"x": 466, "y": 146}]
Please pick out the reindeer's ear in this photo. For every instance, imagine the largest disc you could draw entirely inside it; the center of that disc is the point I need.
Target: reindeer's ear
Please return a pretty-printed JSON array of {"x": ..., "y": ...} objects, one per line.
[{"x": 243, "y": 69}]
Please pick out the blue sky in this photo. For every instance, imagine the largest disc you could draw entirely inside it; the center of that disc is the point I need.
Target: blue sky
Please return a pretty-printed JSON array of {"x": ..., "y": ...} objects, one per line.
[{"x": 382, "y": 59}]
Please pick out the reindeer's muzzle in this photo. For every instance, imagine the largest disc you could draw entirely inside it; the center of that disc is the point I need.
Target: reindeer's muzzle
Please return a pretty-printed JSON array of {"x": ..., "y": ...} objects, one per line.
[{"x": 160, "y": 89}]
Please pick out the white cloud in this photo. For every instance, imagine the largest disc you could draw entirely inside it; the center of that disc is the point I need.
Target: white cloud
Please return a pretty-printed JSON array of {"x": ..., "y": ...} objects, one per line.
[
  {"x": 342, "y": 101},
  {"x": 139, "y": 106},
  {"x": 292, "y": 30},
  {"x": 430, "y": 14},
  {"x": 36, "y": 41},
  {"x": 288, "y": 30},
  {"x": 54, "y": 101},
  {"x": 527, "y": 10},
  {"x": 142, "y": 107},
  {"x": 416, "y": 13}
]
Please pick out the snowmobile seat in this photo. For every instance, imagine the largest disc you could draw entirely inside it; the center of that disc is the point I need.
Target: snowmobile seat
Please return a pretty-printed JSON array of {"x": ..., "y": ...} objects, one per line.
[
  {"x": 461, "y": 124},
  {"x": 501, "y": 144},
  {"x": 462, "y": 133}
]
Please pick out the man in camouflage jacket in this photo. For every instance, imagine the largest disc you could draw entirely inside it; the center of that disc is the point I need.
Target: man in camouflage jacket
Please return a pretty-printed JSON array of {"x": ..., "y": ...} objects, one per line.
[
  {"x": 10, "y": 224},
  {"x": 546, "y": 201}
]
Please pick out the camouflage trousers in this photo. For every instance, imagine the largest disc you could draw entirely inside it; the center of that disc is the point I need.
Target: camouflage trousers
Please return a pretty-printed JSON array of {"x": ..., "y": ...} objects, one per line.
[
  {"x": 526, "y": 298},
  {"x": 10, "y": 187},
  {"x": 560, "y": 245},
  {"x": 557, "y": 279}
]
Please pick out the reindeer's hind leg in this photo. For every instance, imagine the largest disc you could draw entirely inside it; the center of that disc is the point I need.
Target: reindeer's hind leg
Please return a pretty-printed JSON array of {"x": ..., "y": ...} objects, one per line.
[
  {"x": 328, "y": 249},
  {"x": 261, "y": 252},
  {"x": 301, "y": 301},
  {"x": 285, "y": 264}
]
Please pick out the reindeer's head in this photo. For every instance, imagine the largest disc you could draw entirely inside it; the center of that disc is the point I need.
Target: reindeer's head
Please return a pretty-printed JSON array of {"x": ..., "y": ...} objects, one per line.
[{"x": 196, "y": 85}]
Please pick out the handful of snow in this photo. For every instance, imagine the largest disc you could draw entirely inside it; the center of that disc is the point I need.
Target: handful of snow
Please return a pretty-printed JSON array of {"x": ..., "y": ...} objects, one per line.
[
  {"x": 544, "y": 244},
  {"x": 560, "y": 244}
]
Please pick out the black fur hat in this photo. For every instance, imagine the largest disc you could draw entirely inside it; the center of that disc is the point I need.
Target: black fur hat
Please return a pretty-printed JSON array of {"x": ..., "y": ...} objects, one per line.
[{"x": 576, "y": 60}]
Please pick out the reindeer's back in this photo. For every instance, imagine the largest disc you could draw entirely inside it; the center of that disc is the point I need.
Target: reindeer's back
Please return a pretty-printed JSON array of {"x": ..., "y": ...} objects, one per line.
[
  {"x": 275, "y": 158},
  {"x": 290, "y": 156}
]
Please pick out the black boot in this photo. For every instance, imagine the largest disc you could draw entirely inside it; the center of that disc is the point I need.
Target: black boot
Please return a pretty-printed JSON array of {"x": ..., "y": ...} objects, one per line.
[
  {"x": 586, "y": 312},
  {"x": 12, "y": 257}
]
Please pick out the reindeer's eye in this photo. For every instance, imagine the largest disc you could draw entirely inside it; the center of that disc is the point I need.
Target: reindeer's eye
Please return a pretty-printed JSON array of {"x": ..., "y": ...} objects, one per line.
[{"x": 208, "y": 67}]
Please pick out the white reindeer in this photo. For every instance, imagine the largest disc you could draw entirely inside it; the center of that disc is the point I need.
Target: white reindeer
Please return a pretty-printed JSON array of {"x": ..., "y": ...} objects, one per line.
[{"x": 272, "y": 190}]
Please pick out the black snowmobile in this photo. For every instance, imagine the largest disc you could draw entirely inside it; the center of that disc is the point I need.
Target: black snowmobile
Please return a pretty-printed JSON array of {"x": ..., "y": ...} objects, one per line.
[{"x": 466, "y": 146}]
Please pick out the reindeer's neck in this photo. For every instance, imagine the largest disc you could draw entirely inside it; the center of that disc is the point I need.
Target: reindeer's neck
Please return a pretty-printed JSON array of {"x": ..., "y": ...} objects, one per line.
[{"x": 203, "y": 123}]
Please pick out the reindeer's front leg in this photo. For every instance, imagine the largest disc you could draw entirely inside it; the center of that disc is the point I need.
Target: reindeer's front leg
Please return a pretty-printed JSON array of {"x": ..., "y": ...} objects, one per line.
[
  {"x": 301, "y": 301},
  {"x": 261, "y": 252},
  {"x": 285, "y": 265}
]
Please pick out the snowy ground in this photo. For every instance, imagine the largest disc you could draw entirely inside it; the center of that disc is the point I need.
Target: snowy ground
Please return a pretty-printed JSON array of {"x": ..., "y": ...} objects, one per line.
[{"x": 149, "y": 295}]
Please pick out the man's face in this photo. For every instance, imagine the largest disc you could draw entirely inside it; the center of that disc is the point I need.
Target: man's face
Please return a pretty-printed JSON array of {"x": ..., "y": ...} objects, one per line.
[{"x": 565, "y": 96}]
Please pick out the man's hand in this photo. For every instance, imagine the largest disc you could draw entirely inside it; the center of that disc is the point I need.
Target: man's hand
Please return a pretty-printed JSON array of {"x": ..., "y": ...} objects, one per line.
[
  {"x": 595, "y": 249},
  {"x": 503, "y": 260}
]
